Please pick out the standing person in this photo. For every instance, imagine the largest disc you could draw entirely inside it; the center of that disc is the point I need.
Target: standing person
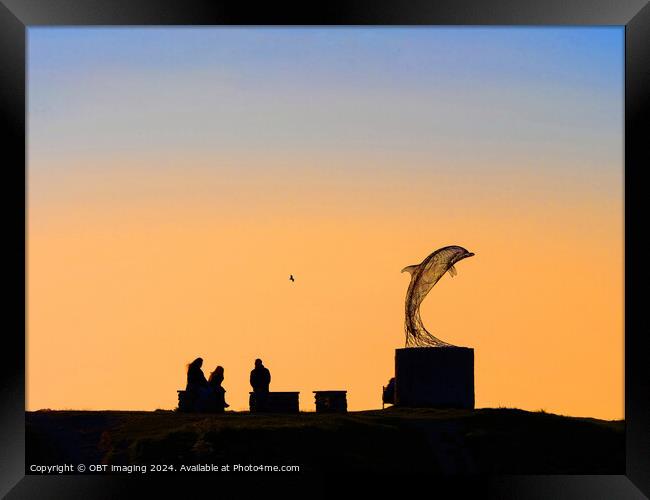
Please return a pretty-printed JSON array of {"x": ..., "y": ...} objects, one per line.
[
  {"x": 260, "y": 377},
  {"x": 197, "y": 385},
  {"x": 219, "y": 393}
]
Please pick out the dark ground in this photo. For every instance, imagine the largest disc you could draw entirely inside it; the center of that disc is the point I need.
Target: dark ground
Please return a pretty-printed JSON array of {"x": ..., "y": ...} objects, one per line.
[{"x": 412, "y": 441}]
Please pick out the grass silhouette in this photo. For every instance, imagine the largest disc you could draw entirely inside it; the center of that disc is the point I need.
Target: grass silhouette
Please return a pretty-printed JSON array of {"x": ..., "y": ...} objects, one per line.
[{"x": 508, "y": 441}]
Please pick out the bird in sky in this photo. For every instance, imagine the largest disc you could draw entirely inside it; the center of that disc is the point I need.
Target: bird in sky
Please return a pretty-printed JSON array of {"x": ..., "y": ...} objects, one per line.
[{"x": 291, "y": 277}]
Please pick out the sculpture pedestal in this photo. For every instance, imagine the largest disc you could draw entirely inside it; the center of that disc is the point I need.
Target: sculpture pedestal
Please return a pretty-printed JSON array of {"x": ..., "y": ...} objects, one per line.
[{"x": 434, "y": 377}]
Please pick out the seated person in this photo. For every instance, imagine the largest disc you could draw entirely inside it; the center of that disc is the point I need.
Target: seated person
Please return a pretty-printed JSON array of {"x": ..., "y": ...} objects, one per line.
[
  {"x": 260, "y": 377},
  {"x": 389, "y": 392},
  {"x": 218, "y": 392},
  {"x": 197, "y": 386}
]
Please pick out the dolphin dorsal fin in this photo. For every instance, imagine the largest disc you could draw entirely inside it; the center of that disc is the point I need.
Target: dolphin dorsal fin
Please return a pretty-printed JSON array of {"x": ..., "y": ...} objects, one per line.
[{"x": 411, "y": 269}]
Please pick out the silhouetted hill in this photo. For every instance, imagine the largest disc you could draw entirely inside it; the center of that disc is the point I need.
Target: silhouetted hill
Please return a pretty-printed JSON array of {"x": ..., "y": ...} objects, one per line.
[{"x": 402, "y": 440}]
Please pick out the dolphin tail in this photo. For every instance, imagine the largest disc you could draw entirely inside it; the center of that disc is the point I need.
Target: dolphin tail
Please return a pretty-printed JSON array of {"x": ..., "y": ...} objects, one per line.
[{"x": 411, "y": 269}]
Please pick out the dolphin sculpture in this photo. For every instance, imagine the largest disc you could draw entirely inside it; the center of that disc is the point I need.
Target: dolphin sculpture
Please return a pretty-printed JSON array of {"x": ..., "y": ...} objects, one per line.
[{"x": 423, "y": 277}]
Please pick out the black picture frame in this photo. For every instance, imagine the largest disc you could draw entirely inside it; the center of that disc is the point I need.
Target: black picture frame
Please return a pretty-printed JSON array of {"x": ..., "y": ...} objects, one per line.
[{"x": 17, "y": 15}]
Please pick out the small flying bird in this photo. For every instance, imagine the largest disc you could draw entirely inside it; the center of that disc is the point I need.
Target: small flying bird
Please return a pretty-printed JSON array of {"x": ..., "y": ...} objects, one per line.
[{"x": 291, "y": 277}]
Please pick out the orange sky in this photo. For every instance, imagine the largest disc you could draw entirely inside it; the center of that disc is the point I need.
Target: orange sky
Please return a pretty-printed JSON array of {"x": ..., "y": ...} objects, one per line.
[
  {"x": 131, "y": 278},
  {"x": 177, "y": 176}
]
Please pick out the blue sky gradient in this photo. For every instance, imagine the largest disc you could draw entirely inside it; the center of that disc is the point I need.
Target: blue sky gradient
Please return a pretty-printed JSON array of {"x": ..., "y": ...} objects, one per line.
[{"x": 99, "y": 91}]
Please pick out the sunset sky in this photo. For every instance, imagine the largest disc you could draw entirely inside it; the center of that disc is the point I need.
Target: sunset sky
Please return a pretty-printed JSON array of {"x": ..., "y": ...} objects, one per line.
[{"x": 177, "y": 176}]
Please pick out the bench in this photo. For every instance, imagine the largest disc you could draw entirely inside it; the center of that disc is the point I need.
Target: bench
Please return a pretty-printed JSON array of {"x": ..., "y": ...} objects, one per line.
[
  {"x": 187, "y": 404},
  {"x": 184, "y": 402}
]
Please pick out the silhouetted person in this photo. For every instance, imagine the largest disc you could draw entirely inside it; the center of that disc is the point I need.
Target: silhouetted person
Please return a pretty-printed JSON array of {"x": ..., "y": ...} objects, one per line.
[
  {"x": 260, "y": 377},
  {"x": 291, "y": 277},
  {"x": 219, "y": 393},
  {"x": 195, "y": 377},
  {"x": 389, "y": 392},
  {"x": 197, "y": 385}
]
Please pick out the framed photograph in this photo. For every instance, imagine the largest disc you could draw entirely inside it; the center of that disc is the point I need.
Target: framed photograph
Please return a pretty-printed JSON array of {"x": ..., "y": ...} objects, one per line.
[{"x": 260, "y": 246}]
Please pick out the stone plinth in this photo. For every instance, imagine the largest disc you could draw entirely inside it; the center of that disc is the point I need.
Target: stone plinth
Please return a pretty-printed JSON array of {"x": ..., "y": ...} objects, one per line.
[
  {"x": 331, "y": 401},
  {"x": 434, "y": 377},
  {"x": 184, "y": 402},
  {"x": 273, "y": 402}
]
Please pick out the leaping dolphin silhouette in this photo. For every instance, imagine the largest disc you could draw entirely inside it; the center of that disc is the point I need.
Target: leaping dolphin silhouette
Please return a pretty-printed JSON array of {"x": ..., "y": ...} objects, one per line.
[{"x": 423, "y": 277}]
